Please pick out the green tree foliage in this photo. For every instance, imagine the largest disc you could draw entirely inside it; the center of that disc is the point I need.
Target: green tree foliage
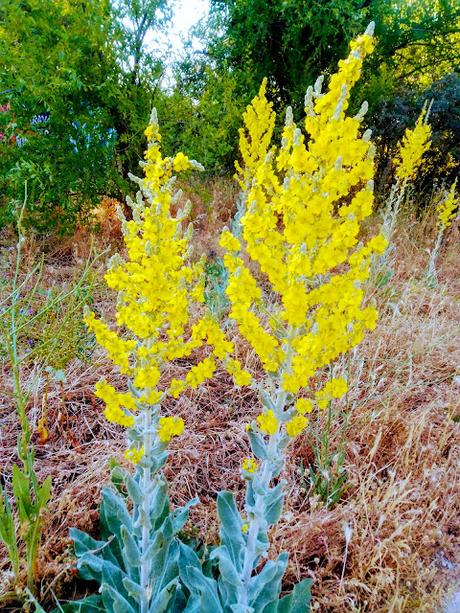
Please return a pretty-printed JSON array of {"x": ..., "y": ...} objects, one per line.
[
  {"x": 416, "y": 60},
  {"x": 289, "y": 41},
  {"x": 135, "y": 21},
  {"x": 57, "y": 72},
  {"x": 419, "y": 40},
  {"x": 76, "y": 88}
]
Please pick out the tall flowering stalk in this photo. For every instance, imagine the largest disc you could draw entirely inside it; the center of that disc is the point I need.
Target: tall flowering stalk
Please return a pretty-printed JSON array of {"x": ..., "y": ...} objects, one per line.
[
  {"x": 159, "y": 292},
  {"x": 409, "y": 158},
  {"x": 446, "y": 211},
  {"x": 303, "y": 308}
]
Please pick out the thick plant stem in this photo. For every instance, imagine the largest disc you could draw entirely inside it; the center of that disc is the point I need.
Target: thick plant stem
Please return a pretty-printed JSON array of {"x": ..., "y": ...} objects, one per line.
[
  {"x": 253, "y": 531},
  {"x": 255, "y": 522},
  {"x": 145, "y": 513},
  {"x": 266, "y": 474}
]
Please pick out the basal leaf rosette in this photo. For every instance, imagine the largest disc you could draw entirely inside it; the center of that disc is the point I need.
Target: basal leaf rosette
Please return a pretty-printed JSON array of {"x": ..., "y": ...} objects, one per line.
[{"x": 160, "y": 291}]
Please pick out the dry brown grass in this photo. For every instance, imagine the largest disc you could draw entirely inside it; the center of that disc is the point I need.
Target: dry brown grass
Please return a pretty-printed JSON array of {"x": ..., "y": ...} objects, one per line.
[{"x": 403, "y": 452}]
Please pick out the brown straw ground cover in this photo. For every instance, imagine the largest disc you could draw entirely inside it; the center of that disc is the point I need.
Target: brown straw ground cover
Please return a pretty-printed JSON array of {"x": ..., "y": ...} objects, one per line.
[{"x": 390, "y": 544}]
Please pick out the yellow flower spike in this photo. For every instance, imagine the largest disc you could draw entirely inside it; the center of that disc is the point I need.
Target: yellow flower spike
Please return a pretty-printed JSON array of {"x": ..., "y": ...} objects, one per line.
[
  {"x": 249, "y": 465},
  {"x": 168, "y": 427},
  {"x": 158, "y": 291},
  {"x": 301, "y": 230},
  {"x": 415, "y": 143},
  {"x": 268, "y": 423},
  {"x": 255, "y": 137},
  {"x": 296, "y": 282},
  {"x": 446, "y": 209}
]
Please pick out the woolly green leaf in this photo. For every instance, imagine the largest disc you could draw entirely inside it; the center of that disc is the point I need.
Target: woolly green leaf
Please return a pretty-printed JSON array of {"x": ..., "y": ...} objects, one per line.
[
  {"x": 180, "y": 515},
  {"x": 134, "y": 490},
  {"x": 205, "y": 589},
  {"x": 159, "y": 509},
  {"x": 161, "y": 602},
  {"x": 230, "y": 530},
  {"x": 85, "y": 544},
  {"x": 92, "y": 568},
  {"x": 91, "y": 604},
  {"x": 226, "y": 567},
  {"x": 257, "y": 445},
  {"x": 298, "y": 601},
  {"x": 113, "y": 578},
  {"x": 131, "y": 551},
  {"x": 115, "y": 602},
  {"x": 132, "y": 588},
  {"x": 274, "y": 504},
  {"x": 264, "y": 588},
  {"x": 113, "y": 514},
  {"x": 170, "y": 569}
]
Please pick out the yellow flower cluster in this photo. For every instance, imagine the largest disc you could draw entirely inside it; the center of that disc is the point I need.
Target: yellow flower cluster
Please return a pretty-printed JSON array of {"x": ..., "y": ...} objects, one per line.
[
  {"x": 158, "y": 291},
  {"x": 446, "y": 209},
  {"x": 259, "y": 120},
  {"x": 414, "y": 145},
  {"x": 335, "y": 388},
  {"x": 268, "y": 423},
  {"x": 169, "y": 427},
  {"x": 296, "y": 425},
  {"x": 249, "y": 465},
  {"x": 119, "y": 350},
  {"x": 134, "y": 455},
  {"x": 304, "y": 405},
  {"x": 119, "y": 407},
  {"x": 305, "y": 202}
]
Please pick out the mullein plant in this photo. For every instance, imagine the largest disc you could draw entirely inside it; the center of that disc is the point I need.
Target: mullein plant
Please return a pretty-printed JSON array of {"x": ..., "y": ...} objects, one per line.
[
  {"x": 409, "y": 158},
  {"x": 304, "y": 205},
  {"x": 446, "y": 211},
  {"x": 159, "y": 294},
  {"x": 302, "y": 208}
]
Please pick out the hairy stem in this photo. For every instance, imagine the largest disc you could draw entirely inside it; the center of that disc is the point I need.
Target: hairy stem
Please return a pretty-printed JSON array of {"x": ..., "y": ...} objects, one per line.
[{"x": 145, "y": 513}]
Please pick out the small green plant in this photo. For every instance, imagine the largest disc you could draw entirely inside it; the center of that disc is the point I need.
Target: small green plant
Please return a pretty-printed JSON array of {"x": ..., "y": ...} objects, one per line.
[
  {"x": 216, "y": 277},
  {"x": 326, "y": 476},
  {"x": 33, "y": 326},
  {"x": 30, "y": 497}
]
